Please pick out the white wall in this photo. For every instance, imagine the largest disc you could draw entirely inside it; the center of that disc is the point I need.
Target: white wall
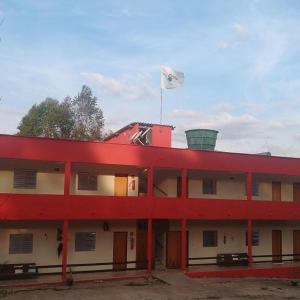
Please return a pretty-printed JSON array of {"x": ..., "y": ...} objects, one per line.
[{"x": 45, "y": 244}]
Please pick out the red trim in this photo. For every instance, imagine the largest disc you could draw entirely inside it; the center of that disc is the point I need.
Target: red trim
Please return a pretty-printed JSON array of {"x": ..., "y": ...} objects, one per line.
[
  {"x": 67, "y": 178},
  {"x": 183, "y": 245},
  {"x": 250, "y": 259},
  {"x": 150, "y": 182},
  {"x": 275, "y": 272},
  {"x": 105, "y": 153},
  {"x": 184, "y": 186},
  {"x": 79, "y": 207},
  {"x": 249, "y": 186},
  {"x": 65, "y": 250},
  {"x": 149, "y": 246}
]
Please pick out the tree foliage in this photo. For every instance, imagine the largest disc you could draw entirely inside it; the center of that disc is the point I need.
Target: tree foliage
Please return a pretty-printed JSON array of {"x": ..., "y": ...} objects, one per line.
[{"x": 77, "y": 118}]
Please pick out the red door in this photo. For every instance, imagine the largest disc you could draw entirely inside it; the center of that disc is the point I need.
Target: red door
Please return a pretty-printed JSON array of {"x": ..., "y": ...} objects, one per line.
[{"x": 120, "y": 251}]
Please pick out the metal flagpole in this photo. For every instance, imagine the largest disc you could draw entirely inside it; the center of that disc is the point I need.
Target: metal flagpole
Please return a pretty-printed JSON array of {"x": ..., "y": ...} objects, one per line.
[{"x": 160, "y": 105}]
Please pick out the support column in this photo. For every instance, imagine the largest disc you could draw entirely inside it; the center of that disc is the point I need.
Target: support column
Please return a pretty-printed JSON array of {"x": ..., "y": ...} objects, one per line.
[
  {"x": 183, "y": 245},
  {"x": 250, "y": 259},
  {"x": 149, "y": 246},
  {"x": 150, "y": 182},
  {"x": 249, "y": 186},
  {"x": 67, "y": 178},
  {"x": 184, "y": 185},
  {"x": 65, "y": 250}
]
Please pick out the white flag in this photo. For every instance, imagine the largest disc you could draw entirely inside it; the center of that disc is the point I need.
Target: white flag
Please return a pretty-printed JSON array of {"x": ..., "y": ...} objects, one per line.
[{"x": 170, "y": 79}]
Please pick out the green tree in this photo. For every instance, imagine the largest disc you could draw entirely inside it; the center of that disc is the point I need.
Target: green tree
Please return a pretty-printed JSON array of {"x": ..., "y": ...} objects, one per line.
[
  {"x": 78, "y": 118},
  {"x": 48, "y": 119},
  {"x": 88, "y": 117}
]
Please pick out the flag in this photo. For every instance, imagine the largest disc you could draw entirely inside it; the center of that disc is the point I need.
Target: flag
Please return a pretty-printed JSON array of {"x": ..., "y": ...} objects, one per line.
[{"x": 170, "y": 79}]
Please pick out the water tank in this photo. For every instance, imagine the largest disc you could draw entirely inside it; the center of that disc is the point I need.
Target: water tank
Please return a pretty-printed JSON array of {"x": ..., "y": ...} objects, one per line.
[{"x": 201, "y": 139}]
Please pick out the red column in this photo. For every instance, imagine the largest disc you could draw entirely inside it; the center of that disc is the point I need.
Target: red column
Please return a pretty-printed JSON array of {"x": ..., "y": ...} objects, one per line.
[
  {"x": 183, "y": 245},
  {"x": 249, "y": 198},
  {"x": 150, "y": 182},
  {"x": 250, "y": 259},
  {"x": 149, "y": 246},
  {"x": 67, "y": 178},
  {"x": 65, "y": 250},
  {"x": 249, "y": 186},
  {"x": 184, "y": 185}
]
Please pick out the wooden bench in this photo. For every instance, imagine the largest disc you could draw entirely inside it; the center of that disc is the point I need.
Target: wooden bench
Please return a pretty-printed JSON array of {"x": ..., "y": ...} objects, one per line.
[{"x": 16, "y": 271}]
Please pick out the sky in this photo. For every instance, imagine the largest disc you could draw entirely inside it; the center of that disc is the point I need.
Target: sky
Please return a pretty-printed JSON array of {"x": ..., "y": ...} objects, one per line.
[{"x": 241, "y": 61}]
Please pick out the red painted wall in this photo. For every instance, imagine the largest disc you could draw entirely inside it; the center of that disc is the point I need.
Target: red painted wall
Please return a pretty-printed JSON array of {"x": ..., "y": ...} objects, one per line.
[
  {"x": 161, "y": 136},
  {"x": 124, "y": 136},
  {"x": 133, "y": 155}
]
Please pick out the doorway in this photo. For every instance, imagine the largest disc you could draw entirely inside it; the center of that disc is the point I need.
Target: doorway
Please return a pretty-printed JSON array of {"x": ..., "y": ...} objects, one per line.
[
  {"x": 141, "y": 244},
  {"x": 276, "y": 246},
  {"x": 276, "y": 191},
  {"x": 120, "y": 251},
  {"x": 121, "y": 185},
  {"x": 296, "y": 245}
]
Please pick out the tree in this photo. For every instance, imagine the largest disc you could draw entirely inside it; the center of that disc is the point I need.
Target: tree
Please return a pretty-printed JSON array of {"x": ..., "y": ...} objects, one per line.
[
  {"x": 78, "y": 118},
  {"x": 47, "y": 119},
  {"x": 88, "y": 117}
]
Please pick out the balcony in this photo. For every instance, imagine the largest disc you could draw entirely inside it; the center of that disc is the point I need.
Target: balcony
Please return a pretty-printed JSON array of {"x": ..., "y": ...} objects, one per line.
[{"x": 124, "y": 192}]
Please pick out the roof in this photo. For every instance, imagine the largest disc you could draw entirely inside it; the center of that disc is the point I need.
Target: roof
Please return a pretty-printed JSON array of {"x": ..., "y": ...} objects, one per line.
[{"x": 129, "y": 126}]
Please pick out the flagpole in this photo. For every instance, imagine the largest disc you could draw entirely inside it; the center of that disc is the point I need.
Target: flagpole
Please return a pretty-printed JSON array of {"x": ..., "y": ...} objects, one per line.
[{"x": 160, "y": 105}]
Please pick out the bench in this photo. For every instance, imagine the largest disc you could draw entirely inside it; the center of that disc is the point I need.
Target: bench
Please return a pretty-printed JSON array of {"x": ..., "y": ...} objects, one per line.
[
  {"x": 17, "y": 271},
  {"x": 232, "y": 259}
]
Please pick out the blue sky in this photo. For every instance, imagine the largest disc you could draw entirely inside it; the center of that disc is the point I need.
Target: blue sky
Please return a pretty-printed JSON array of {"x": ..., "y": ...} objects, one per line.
[{"x": 240, "y": 59}]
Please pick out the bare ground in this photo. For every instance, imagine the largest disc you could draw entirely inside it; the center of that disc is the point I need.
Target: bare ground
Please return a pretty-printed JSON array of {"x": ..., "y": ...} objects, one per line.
[{"x": 168, "y": 286}]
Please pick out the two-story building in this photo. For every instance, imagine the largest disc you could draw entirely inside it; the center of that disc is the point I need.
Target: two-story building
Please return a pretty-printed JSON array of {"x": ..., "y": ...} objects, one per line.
[{"x": 134, "y": 202}]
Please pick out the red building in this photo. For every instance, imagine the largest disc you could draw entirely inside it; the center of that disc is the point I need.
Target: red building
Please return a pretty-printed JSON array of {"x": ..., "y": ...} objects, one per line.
[{"x": 134, "y": 202}]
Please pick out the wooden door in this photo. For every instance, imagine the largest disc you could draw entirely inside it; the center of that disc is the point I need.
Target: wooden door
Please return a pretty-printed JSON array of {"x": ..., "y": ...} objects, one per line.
[
  {"x": 121, "y": 185},
  {"x": 276, "y": 246},
  {"x": 141, "y": 248},
  {"x": 296, "y": 244},
  {"x": 296, "y": 191},
  {"x": 276, "y": 191},
  {"x": 120, "y": 251},
  {"x": 173, "y": 249}
]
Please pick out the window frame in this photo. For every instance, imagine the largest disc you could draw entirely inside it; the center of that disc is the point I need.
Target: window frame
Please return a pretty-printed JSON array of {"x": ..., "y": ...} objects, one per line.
[
  {"x": 255, "y": 237},
  {"x": 209, "y": 186},
  {"x": 25, "y": 179},
  {"x": 213, "y": 240},
  {"x": 88, "y": 243},
  {"x": 19, "y": 247},
  {"x": 91, "y": 182}
]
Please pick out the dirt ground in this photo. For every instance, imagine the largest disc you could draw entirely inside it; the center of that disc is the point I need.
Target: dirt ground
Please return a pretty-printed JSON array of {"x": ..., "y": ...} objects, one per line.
[{"x": 166, "y": 287}]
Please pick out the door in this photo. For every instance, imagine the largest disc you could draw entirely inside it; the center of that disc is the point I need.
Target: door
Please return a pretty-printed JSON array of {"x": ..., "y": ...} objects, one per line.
[
  {"x": 276, "y": 191},
  {"x": 276, "y": 246},
  {"x": 121, "y": 185},
  {"x": 141, "y": 245},
  {"x": 173, "y": 249},
  {"x": 296, "y": 191},
  {"x": 120, "y": 251},
  {"x": 296, "y": 244}
]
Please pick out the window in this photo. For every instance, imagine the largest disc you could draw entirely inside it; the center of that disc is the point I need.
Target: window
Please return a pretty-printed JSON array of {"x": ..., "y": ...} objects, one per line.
[
  {"x": 209, "y": 186},
  {"x": 20, "y": 243},
  {"x": 87, "y": 181},
  {"x": 25, "y": 179},
  {"x": 210, "y": 238},
  {"x": 85, "y": 241},
  {"x": 255, "y": 238},
  {"x": 255, "y": 188}
]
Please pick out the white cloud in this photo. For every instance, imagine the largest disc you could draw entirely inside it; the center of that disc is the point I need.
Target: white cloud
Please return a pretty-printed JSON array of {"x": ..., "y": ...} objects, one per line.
[
  {"x": 240, "y": 29},
  {"x": 137, "y": 87},
  {"x": 241, "y": 32}
]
